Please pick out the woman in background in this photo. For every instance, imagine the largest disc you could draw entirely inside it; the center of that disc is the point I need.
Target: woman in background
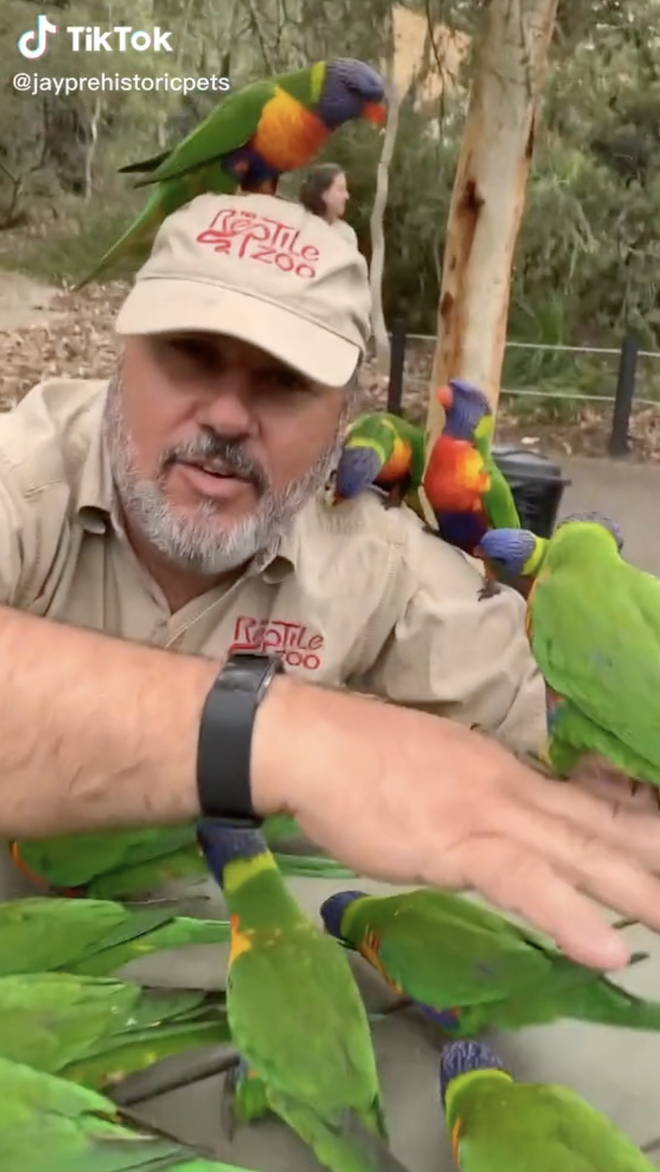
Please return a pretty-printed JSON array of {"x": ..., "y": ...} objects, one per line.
[{"x": 325, "y": 193}]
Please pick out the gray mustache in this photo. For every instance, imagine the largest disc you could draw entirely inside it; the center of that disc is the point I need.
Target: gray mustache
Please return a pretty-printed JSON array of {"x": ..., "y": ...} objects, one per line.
[{"x": 212, "y": 446}]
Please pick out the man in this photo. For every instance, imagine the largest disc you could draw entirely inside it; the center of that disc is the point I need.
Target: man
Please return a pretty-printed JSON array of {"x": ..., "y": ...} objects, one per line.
[{"x": 180, "y": 506}]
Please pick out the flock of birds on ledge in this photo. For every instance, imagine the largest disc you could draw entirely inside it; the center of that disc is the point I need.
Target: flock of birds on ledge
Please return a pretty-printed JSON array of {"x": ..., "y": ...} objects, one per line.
[{"x": 71, "y": 1033}]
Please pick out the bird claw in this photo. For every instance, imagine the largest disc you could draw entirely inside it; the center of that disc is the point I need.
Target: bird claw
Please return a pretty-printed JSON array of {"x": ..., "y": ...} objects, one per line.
[{"x": 490, "y": 589}]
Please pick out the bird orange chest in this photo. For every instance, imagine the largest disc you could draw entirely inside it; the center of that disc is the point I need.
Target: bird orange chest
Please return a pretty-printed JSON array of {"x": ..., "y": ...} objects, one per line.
[
  {"x": 456, "y": 477},
  {"x": 398, "y": 465},
  {"x": 288, "y": 134}
]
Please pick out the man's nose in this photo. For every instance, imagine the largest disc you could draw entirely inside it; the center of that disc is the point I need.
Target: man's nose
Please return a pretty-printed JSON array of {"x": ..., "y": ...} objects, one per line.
[{"x": 228, "y": 410}]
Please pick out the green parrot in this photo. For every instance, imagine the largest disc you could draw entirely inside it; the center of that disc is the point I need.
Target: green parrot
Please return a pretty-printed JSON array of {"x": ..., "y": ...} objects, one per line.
[
  {"x": 49, "y": 1124},
  {"x": 97, "y": 1031},
  {"x": 513, "y": 556},
  {"x": 113, "y": 864},
  {"x": 384, "y": 451},
  {"x": 252, "y": 137},
  {"x": 498, "y": 1125},
  {"x": 125, "y": 864},
  {"x": 295, "y": 1013},
  {"x": 593, "y": 622},
  {"x": 468, "y": 968},
  {"x": 92, "y": 937}
]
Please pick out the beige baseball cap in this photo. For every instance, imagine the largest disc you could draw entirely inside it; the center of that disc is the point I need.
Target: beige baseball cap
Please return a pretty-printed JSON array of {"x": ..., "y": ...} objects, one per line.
[{"x": 261, "y": 269}]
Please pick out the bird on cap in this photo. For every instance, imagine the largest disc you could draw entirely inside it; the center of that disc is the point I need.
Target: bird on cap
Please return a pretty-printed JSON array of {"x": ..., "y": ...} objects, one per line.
[{"x": 249, "y": 140}]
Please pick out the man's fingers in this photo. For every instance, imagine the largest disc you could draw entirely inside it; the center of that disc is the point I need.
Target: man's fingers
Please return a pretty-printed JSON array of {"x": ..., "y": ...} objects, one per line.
[
  {"x": 512, "y": 876},
  {"x": 601, "y": 809},
  {"x": 583, "y": 855}
]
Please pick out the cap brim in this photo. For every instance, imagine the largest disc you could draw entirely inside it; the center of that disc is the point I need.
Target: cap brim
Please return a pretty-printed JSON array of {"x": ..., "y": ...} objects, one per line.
[{"x": 161, "y": 306}]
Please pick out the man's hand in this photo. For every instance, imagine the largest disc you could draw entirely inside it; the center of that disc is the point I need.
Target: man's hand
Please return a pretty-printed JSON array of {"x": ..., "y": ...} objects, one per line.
[{"x": 412, "y": 798}]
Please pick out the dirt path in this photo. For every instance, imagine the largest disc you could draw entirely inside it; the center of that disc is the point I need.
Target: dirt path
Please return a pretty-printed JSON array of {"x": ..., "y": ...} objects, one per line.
[{"x": 25, "y": 302}]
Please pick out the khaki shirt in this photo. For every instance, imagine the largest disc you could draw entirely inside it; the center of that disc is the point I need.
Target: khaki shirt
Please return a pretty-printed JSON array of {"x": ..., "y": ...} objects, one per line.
[{"x": 357, "y": 595}]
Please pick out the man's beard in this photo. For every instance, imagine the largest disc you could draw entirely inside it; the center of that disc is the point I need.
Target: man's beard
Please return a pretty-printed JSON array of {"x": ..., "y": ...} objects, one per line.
[{"x": 200, "y": 543}]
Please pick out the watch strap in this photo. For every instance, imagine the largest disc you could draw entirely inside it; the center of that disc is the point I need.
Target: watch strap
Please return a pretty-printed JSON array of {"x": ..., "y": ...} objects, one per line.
[{"x": 224, "y": 750}]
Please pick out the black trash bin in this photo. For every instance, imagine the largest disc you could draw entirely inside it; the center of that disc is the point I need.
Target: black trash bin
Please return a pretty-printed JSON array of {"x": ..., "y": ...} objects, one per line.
[{"x": 537, "y": 485}]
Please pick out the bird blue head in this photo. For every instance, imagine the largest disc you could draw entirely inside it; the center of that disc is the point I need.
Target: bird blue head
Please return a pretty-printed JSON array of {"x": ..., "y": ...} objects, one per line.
[
  {"x": 357, "y": 470},
  {"x": 594, "y": 518},
  {"x": 465, "y": 1057},
  {"x": 332, "y": 910},
  {"x": 507, "y": 549},
  {"x": 465, "y": 406},
  {"x": 351, "y": 90},
  {"x": 222, "y": 843}
]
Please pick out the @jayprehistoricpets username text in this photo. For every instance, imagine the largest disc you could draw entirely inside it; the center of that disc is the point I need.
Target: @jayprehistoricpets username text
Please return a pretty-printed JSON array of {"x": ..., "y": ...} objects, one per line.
[{"x": 39, "y": 83}]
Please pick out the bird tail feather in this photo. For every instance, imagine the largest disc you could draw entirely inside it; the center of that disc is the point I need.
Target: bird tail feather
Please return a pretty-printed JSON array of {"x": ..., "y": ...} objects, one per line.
[
  {"x": 137, "y": 237},
  {"x": 342, "y": 1145}
]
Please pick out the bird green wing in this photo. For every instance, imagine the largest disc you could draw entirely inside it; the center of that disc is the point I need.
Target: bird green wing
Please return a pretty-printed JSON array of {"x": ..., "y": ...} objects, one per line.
[
  {"x": 97, "y": 1030},
  {"x": 327, "y": 1062},
  {"x": 74, "y": 860},
  {"x": 547, "y": 1128},
  {"x": 451, "y": 953},
  {"x": 583, "y": 1132},
  {"x": 48, "y": 1124},
  {"x": 595, "y": 634},
  {"x": 229, "y": 126},
  {"x": 92, "y": 937},
  {"x": 499, "y": 505}
]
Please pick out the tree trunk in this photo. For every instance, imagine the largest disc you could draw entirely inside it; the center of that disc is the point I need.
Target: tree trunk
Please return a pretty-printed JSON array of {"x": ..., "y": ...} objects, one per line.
[
  {"x": 489, "y": 195},
  {"x": 377, "y": 265}
]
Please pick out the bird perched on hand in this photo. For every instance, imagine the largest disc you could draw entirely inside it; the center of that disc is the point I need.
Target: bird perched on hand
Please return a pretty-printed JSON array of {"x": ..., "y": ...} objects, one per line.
[
  {"x": 250, "y": 140},
  {"x": 383, "y": 450},
  {"x": 593, "y": 622},
  {"x": 498, "y": 1124},
  {"x": 463, "y": 485},
  {"x": 513, "y": 556}
]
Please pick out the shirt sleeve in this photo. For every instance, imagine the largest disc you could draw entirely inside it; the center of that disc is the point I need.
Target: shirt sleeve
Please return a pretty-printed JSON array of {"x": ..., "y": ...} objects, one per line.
[
  {"x": 18, "y": 537},
  {"x": 457, "y": 654}
]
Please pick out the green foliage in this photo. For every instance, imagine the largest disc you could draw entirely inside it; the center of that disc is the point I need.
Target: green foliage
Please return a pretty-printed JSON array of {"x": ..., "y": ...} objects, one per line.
[{"x": 587, "y": 258}]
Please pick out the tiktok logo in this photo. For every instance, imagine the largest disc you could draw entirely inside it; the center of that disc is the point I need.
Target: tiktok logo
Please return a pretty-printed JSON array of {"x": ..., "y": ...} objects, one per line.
[{"x": 35, "y": 42}]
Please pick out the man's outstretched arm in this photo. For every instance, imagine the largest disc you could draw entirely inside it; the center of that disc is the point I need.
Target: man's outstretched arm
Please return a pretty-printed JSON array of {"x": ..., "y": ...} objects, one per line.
[
  {"x": 97, "y": 733},
  {"x": 94, "y": 732}
]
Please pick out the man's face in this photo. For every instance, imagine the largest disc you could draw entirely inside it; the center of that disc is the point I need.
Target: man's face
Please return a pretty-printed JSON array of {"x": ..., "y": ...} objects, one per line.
[{"x": 215, "y": 446}]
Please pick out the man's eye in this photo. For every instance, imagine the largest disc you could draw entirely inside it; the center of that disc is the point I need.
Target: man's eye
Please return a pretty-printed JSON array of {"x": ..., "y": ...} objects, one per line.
[
  {"x": 196, "y": 353},
  {"x": 285, "y": 380}
]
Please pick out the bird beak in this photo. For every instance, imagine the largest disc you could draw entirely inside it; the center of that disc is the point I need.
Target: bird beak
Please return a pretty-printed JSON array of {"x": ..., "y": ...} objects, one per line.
[
  {"x": 375, "y": 112},
  {"x": 445, "y": 396}
]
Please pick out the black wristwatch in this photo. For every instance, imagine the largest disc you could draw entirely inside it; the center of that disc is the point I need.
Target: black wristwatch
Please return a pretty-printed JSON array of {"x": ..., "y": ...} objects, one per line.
[{"x": 225, "y": 737}]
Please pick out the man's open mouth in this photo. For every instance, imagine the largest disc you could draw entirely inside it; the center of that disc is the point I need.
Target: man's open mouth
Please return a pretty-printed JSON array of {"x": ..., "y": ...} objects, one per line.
[{"x": 215, "y": 468}]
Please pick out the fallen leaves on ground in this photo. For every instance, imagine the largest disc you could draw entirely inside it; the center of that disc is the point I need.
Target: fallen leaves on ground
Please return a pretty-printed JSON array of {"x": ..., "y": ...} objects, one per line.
[{"x": 77, "y": 340}]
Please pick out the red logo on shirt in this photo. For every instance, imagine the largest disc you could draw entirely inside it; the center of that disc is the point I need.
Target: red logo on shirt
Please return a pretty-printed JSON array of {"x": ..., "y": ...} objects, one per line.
[
  {"x": 293, "y": 642},
  {"x": 249, "y": 236}
]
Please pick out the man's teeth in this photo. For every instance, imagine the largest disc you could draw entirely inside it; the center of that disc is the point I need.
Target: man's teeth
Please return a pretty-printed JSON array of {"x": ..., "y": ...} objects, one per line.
[{"x": 213, "y": 470}]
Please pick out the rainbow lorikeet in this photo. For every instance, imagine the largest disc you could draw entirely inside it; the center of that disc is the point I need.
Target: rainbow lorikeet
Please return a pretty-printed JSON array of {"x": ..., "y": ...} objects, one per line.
[
  {"x": 513, "y": 556},
  {"x": 97, "y": 1031},
  {"x": 49, "y": 1124},
  {"x": 91, "y": 936},
  {"x": 250, "y": 139},
  {"x": 468, "y": 968},
  {"x": 295, "y": 1013},
  {"x": 126, "y": 864},
  {"x": 463, "y": 485},
  {"x": 497, "y": 1124},
  {"x": 382, "y": 450},
  {"x": 593, "y": 622}
]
